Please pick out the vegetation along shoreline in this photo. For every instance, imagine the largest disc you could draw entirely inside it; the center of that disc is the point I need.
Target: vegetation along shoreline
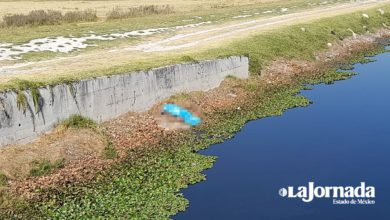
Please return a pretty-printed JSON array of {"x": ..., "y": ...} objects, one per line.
[{"x": 143, "y": 167}]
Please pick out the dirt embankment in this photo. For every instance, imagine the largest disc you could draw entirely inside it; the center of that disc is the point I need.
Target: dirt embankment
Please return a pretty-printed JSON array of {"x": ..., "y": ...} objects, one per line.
[{"x": 137, "y": 130}]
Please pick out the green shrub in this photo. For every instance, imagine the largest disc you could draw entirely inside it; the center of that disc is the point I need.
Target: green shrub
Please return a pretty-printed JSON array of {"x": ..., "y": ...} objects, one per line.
[{"x": 78, "y": 121}]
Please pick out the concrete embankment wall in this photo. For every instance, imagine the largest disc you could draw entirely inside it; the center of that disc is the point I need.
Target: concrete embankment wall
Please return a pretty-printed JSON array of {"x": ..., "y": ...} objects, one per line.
[{"x": 107, "y": 97}]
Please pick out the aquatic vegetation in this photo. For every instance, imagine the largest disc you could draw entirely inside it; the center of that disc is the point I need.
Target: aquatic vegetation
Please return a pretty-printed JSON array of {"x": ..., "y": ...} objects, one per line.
[{"x": 142, "y": 189}]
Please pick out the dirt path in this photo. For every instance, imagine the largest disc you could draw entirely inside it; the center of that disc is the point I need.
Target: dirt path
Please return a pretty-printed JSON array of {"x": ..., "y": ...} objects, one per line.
[{"x": 197, "y": 38}]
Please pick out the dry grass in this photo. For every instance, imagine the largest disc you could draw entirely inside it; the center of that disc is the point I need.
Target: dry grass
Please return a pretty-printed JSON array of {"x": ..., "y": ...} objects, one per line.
[
  {"x": 49, "y": 17},
  {"x": 143, "y": 10},
  {"x": 103, "y": 7},
  {"x": 18, "y": 161}
]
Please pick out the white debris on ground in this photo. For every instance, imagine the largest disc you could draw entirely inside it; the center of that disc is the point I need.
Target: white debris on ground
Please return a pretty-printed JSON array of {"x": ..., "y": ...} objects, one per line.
[
  {"x": 329, "y": 44},
  {"x": 192, "y": 25},
  {"x": 303, "y": 29},
  {"x": 61, "y": 44},
  {"x": 9, "y": 51},
  {"x": 381, "y": 11},
  {"x": 241, "y": 16},
  {"x": 365, "y": 16},
  {"x": 267, "y": 12}
]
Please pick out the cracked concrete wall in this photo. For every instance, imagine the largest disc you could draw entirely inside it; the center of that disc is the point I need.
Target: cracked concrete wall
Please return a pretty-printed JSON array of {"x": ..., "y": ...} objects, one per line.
[{"x": 107, "y": 97}]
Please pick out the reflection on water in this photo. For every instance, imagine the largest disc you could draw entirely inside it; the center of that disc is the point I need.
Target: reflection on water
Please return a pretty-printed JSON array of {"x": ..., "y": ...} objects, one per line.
[{"x": 340, "y": 140}]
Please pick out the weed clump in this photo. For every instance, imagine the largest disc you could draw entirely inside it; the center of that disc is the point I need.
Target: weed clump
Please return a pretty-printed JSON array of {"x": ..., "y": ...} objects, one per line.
[
  {"x": 189, "y": 59},
  {"x": 44, "y": 167},
  {"x": 143, "y": 10},
  {"x": 3, "y": 179},
  {"x": 78, "y": 121},
  {"x": 110, "y": 151},
  {"x": 21, "y": 101},
  {"x": 49, "y": 17}
]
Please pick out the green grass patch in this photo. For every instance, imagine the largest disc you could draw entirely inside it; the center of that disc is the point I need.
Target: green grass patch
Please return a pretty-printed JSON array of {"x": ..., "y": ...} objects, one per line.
[
  {"x": 41, "y": 168},
  {"x": 110, "y": 151},
  {"x": 3, "y": 179},
  {"x": 78, "y": 121}
]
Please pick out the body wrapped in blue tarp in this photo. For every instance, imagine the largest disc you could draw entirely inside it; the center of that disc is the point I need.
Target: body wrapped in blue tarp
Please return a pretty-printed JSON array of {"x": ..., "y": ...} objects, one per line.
[{"x": 182, "y": 113}]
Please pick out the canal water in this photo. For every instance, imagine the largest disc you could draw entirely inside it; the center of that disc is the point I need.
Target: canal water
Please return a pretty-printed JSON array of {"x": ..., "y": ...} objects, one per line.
[{"x": 342, "y": 139}]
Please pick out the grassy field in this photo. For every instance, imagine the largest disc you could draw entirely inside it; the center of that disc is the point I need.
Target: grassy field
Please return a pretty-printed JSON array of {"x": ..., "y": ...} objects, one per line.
[
  {"x": 219, "y": 14},
  {"x": 24, "y": 34},
  {"x": 261, "y": 48}
]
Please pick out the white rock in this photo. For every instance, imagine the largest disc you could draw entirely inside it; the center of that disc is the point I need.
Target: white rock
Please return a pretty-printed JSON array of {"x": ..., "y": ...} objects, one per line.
[
  {"x": 381, "y": 11},
  {"x": 303, "y": 29},
  {"x": 329, "y": 44},
  {"x": 365, "y": 16}
]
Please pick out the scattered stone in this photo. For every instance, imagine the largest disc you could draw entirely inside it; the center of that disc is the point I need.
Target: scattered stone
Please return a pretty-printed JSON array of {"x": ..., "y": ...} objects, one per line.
[
  {"x": 365, "y": 15},
  {"x": 381, "y": 11},
  {"x": 329, "y": 44},
  {"x": 303, "y": 29}
]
